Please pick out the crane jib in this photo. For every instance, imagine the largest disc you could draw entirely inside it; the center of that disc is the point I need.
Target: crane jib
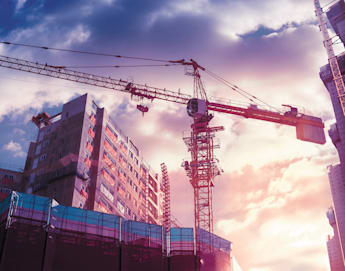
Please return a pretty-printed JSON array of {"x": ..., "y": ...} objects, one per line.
[{"x": 308, "y": 128}]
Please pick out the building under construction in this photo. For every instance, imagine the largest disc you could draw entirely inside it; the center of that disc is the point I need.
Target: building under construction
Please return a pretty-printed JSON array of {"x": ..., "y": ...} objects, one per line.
[
  {"x": 37, "y": 233},
  {"x": 332, "y": 75},
  {"x": 83, "y": 159}
]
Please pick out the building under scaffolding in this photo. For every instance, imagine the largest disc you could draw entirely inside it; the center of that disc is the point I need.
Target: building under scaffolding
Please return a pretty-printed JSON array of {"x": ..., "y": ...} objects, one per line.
[{"x": 36, "y": 233}]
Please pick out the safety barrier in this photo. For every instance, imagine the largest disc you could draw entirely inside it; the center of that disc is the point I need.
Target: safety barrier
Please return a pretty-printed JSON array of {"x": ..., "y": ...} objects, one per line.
[{"x": 36, "y": 233}]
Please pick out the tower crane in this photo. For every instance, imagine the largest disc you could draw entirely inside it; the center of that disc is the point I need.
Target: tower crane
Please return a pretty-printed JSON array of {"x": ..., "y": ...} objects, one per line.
[
  {"x": 203, "y": 167},
  {"x": 333, "y": 62}
]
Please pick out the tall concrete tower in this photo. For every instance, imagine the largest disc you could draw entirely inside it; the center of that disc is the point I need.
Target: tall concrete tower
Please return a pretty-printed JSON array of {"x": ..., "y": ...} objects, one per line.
[
  {"x": 336, "y": 16},
  {"x": 333, "y": 245}
]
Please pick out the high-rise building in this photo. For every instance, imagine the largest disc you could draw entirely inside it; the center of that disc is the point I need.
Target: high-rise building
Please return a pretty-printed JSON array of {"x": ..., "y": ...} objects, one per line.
[
  {"x": 333, "y": 245},
  {"x": 336, "y": 16},
  {"x": 336, "y": 181},
  {"x": 83, "y": 159},
  {"x": 337, "y": 134},
  {"x": 10, "y": 180}
]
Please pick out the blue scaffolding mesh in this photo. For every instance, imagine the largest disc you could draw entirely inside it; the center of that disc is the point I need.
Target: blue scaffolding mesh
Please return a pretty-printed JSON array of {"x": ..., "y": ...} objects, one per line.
[
  {"x": 181, "y": 239},
  {"x": 221, "y": 244},
  {"x": 31, "y": 207},
  {"x": 140, "y": 233},
  {"x": 94, "y": 237},
  {"x": 210, "y": 240},
  {"x": 36, "y": 208},
  {"x": 79, "y": 220}
]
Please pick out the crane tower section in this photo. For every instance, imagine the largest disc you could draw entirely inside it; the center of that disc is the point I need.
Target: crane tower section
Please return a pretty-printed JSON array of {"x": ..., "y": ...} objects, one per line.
[
  {"x": 201, "y": 170},
  {"x": 333, "y": 62},
  {"x": 166, "y": 203}
]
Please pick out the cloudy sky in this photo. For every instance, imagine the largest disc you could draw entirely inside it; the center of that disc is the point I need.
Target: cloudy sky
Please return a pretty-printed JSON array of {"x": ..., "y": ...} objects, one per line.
[{"x": 272, "y": 198}]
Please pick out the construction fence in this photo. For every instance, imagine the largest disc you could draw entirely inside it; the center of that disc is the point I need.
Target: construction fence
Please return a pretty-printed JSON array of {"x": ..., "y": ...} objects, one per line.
[{"x": 36, "y": 233}]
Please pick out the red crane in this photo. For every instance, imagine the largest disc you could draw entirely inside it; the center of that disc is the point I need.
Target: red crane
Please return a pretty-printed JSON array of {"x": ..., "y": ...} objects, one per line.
[{"x": 202, "y": 169}]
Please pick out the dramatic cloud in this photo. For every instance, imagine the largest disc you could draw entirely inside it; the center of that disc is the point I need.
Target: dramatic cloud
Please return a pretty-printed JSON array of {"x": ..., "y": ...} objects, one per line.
[
  {"x": 275, "y": 208},
  {"x": 274, "y": 192},
  {"x": 18, "y": 131},
  {"x": 15, "y": 148}
]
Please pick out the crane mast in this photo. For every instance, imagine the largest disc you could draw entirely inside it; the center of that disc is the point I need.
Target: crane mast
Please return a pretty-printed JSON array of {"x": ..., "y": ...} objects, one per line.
[
  {"x": 166, "y": 203},
  {"x": 333, "y": 62},
  {"x": 201, "y": 143}
]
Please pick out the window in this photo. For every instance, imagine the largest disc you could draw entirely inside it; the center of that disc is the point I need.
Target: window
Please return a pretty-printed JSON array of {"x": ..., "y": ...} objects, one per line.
[
  {"x": 106, "y": 192},
  {"x": 38, "y": 149},
  {"x": 135, "y": 187},
  {"x": 41, "y": 135},
  {"x": 128, "y": 195},
  {"x": 31, "y": 178},
  {"x": 153, "y": 210},
  {"x": 109, "y": 157},
  {"x": 90, "y": 140},
  {"x": 34, "y": 164},
  {"x": 120, "y": 205},
  {"x": 153, "y": 183},
  {"x": 152, "y": 196},
  {"x": 105, "y": 203},
  {"x": 43, "y": 157},
  {"x": 128, "y": 211},
  {"x": 45, "y": 143},
  {"x": 129, "y": 180},
  {"x": 133, "y": 147},
  {"x": 94, "y": 106}
]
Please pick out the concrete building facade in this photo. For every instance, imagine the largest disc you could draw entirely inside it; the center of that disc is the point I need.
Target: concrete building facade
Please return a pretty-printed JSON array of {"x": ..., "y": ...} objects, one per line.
[
  {"x": 336, "y": 17},
  {"x": 337, "y": 218},
  {"x": 10, "y": 180},
  {"x": 333, "y": 245},
  {"x": 83, "y": 159}
]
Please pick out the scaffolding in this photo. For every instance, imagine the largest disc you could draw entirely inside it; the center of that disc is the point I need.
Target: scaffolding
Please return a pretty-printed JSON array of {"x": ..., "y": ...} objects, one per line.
[
  {"x": 201, "y": 171},
  {"x": 37, "y": 233},
  {"x": 166, "y": 201}
]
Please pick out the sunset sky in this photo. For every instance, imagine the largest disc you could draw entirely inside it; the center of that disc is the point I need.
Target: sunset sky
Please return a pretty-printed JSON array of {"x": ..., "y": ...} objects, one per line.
[{"x": 272, "y": 198}]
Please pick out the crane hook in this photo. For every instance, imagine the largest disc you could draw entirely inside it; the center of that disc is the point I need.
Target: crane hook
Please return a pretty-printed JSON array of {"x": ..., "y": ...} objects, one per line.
[{"x": 142, "y": 108}]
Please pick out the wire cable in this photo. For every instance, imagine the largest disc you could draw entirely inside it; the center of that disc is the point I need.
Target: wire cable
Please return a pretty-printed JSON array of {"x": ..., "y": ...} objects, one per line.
[
  {"x": 118, "y": 66},
  {"x": 83, "y": 52},
  {"x": 240, "y": 91}
]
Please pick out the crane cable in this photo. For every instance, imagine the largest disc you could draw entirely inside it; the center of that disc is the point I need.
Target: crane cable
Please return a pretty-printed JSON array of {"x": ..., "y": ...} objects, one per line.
[
  {"x": 117, "y": 66},
  {"x": 240, "y": 91},
  {"x": 82, "y": 52}
]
